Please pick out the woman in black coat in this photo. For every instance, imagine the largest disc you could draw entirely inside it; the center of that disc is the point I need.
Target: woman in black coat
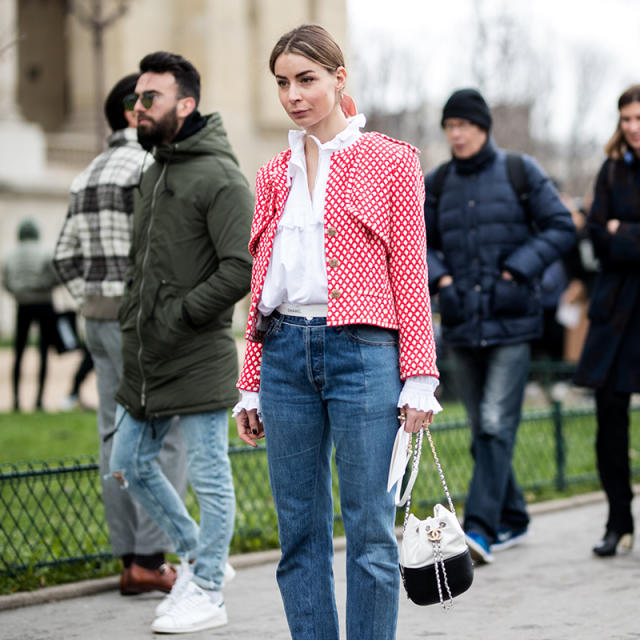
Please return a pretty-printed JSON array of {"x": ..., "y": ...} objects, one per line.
[{"x": 610, "y": 360}]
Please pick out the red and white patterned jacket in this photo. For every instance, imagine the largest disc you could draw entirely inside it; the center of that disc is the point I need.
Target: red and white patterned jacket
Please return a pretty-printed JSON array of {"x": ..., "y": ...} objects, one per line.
[{"x": 375, "y": 248}]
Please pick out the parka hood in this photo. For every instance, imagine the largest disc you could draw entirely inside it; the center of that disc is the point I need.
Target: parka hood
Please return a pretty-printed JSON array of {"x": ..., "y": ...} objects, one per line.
[{"x": 211, "y": 139}]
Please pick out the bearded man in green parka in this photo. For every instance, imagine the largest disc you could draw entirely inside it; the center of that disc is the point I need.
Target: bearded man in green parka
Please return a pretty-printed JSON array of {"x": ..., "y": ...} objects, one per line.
[{"x": 189, "y": 265}]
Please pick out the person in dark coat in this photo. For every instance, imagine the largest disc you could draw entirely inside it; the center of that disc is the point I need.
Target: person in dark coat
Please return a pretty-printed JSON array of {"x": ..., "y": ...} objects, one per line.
[
  {"x": 610, "y": 360},
  {"x": 486, "y": 255}
]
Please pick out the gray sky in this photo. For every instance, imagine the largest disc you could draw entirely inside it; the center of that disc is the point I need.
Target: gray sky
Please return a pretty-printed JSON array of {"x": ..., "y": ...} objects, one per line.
[{"x": 438, "y": 35}]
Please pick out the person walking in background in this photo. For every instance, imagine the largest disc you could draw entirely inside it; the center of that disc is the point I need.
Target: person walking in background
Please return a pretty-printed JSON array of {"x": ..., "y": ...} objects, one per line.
[
  {"x": 85, "y": 367},
  {"x": 190, "y": 265},
  {"x": 485, "y": 262},
  {"x": 339, "y": 318},
  {"x": 30, "y": 278},
  {"x": 91, "y": 259},
  {"x": 610, "y": 360}
]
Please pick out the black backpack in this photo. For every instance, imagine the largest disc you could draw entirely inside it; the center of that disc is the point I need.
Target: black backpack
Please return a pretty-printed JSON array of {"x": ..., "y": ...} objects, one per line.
[{"x": 516, "y": 173}]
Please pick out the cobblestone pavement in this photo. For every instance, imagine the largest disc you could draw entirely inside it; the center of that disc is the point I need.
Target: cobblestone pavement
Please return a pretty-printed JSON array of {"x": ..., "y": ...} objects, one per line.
[{"x": 549, "y": 588}]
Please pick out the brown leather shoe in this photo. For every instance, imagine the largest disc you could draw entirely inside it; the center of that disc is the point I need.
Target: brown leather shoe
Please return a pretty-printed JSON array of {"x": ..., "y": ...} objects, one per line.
[
  {"x": 125, "y": 579},
  {"x": 137, "y": 579}
]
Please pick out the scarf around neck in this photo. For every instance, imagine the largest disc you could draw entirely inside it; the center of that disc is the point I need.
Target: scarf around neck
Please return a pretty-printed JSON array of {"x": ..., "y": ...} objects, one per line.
[{"x": 466, "y": 166}]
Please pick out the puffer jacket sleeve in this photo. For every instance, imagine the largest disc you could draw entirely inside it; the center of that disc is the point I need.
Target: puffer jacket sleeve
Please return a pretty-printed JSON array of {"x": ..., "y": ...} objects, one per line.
[
  {"x": 408, "y": 268},
  {"x": 554, "y": 232}
]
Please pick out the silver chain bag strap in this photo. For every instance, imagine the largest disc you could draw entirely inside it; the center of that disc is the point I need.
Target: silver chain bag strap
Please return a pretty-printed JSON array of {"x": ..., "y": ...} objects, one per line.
[{"x": 435, "y": 562}]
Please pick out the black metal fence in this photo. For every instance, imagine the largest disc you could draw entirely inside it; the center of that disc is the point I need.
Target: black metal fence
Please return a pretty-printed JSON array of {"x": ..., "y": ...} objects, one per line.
[{"x": 51, "y": 512}]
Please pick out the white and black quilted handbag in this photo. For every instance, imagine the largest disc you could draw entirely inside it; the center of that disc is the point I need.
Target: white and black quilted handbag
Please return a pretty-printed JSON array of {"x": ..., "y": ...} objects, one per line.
[{"x": 435, "y": 562}]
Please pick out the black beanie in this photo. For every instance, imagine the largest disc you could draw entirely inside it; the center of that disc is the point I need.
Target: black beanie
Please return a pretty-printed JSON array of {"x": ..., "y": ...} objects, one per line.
[
  {"x": 470, "y": 105},
  {"x": 113, "y": 107}
]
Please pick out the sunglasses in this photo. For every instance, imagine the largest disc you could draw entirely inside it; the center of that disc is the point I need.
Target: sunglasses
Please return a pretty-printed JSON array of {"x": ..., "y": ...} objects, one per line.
[{"x": 146, "y": 99}]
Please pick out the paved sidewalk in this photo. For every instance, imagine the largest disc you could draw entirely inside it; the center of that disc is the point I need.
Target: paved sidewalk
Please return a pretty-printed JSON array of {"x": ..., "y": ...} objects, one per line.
[
  {"x": 549, "y": 588},
  {"x": 60, "y": 372}
]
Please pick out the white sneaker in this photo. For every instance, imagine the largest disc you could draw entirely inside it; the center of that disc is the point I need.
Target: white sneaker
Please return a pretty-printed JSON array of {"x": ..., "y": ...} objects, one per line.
[
  {"x": 184, "y": 576},
  {"x": 193, "y": 611}
]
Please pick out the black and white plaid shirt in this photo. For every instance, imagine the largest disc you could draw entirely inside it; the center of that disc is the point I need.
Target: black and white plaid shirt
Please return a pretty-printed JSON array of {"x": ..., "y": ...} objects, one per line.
[{"x": 92, "y": 251}]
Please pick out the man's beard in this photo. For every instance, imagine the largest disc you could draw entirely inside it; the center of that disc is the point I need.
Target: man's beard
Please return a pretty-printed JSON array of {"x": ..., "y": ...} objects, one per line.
[{"x": 159, "y": 131}]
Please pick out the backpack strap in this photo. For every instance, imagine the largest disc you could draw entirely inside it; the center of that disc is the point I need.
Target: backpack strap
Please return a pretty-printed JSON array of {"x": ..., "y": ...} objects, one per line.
[
  {"x": 438, "y": 184},
  {"x": 517, "y": 174}
]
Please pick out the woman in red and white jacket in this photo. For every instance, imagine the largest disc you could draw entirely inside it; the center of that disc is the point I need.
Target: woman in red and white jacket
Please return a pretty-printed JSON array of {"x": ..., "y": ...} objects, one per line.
[{"x": 339, "y": 336}]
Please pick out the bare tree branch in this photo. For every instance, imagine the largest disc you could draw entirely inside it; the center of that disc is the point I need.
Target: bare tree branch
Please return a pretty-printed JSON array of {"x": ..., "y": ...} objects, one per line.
[{"x": 94, "y": 20}]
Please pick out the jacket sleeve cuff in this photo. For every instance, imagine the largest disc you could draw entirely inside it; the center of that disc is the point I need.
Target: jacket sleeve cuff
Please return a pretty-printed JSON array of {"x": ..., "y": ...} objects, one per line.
[
  {"x": 249, "y": 400},
  {"x": 418, "y": 393}
]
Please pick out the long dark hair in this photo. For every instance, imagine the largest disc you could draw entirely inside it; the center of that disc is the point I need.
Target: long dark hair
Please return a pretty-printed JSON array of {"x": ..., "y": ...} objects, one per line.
[{"x": 617, "y": 145}]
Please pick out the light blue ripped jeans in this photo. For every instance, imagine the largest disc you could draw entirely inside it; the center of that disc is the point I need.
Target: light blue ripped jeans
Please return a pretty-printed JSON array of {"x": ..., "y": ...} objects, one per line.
[{"x": 134, "y": 459}]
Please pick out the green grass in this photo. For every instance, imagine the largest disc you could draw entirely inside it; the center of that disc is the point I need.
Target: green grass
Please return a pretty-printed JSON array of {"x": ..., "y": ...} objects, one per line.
[
  {"x": 54, "y": 436},
  {"x": 46, "y": 436}
]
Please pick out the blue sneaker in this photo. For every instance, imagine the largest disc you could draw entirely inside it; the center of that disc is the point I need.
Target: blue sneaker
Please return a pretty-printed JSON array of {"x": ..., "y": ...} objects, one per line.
[
  {"x": 509, "y": 538},
  {"x": 478, "y": 547}
]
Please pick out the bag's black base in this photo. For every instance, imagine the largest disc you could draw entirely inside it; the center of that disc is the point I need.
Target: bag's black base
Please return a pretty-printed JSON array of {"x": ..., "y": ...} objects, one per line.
[{"x": 421, "y": 584}]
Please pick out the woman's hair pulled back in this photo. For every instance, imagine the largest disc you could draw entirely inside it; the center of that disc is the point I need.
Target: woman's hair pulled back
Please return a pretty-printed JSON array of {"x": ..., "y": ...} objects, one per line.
[
  {"x": 311, "y": 41},
  {"x": 617, "y": 146}
]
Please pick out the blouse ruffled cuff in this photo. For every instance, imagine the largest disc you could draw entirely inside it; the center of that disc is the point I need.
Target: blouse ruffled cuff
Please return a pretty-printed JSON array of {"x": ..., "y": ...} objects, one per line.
[
  {"x": 418, "y": 393},
  {"x": 248, "y": 400}
]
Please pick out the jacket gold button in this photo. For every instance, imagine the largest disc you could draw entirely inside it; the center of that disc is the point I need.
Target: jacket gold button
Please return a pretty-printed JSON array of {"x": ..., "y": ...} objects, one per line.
[
  {"x": 332, "y": 231},
  {"x": 333, "y": 262},
  {"x": 336, "y": 293}
]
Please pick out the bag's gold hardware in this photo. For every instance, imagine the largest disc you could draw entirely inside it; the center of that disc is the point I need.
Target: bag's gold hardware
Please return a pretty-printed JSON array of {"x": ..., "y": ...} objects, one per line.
[{"x": 434, "y": 535}]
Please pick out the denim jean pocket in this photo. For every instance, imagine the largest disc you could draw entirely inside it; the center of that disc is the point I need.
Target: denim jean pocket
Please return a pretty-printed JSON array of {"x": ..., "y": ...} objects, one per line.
[{"x": 371, "y": 335}]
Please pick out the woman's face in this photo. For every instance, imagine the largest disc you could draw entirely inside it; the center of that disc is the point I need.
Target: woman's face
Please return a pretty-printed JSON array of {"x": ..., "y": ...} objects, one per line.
[
  {"x": 308, "y": 92},
  {"x": 630, "y": 125}
]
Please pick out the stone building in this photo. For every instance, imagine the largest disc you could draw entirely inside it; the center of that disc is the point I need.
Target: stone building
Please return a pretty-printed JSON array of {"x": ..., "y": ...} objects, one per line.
[{"x": 50, "y": 124}]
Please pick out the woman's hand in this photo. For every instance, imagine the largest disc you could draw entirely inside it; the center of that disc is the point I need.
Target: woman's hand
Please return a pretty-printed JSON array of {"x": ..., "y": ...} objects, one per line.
[
  {"x": 249, "y": 427},
  {"x": 613, "y": 225},
  {"x": 415, "y": 420}
]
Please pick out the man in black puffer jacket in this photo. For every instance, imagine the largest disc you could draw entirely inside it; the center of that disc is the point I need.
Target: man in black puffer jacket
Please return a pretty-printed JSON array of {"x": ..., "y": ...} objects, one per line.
[{"x": 486, "y": 253}]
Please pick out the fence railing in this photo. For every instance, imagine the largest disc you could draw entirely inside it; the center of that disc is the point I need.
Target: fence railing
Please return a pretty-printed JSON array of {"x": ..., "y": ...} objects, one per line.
[{"x": 51, "y": 512}]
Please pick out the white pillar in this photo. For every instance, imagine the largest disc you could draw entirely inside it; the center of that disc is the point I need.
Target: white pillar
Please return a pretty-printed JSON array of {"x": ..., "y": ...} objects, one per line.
[{"x": 22, "y": 144}]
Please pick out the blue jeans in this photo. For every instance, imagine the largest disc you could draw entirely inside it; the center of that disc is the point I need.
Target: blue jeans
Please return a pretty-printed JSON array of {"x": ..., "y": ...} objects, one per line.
[
  {"x": 131, "y": 529},
  {"x": 206, "y": 437},
  {"x": 491, "y": 383},
  {"x": 322, "y": 387}
]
